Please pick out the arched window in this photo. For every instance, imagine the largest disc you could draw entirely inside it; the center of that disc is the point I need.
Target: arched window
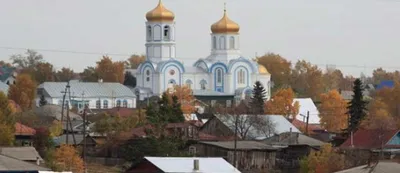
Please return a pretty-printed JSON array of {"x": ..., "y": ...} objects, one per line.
[
  {"x": 98, "y": 104},
  {"x": 222, "y": 43},
  {"x": 241, "y": 76},
  {"x": 166, "y": 32},
  {"x": 105, "y": 104},
  {"x": 189, "y": 83},
  {"x": 157, "y": 33},
  {"x": 125, "y": 103},
  {"x": 149, "y": 32},
  {"x": 232, "y": 42},
  {"x": 118, "y": 103},
  {"x": 214, "y": 42},
  {"x": 219, "y": 75},
  {"x": 203, "y": 84}
]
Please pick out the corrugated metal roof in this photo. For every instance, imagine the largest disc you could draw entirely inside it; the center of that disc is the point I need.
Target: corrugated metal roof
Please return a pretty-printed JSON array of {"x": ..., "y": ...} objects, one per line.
[
  {"x": 21, "y": 153},
  {"x": 4, "y": 87},
  {"x": 11, "y": 164},
  {"x": 381, "y": 167},
  {"x": 91, "y": 89},
  {"x": 307, "y": 104},
  {"x": 241, "y": 145},
  {"x": 281, "y": 125},
  {"x": 210, "y": 93},
  {"x": 185, "y": 164},
  {"x": 364, "y": 139}
]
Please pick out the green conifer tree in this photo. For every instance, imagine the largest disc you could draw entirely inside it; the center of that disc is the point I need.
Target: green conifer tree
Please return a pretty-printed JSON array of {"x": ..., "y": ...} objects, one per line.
[
  {"x": 258, "y": 98},
  {"x": 42, "y": 101},
  {"x": 357, "y": 107}
]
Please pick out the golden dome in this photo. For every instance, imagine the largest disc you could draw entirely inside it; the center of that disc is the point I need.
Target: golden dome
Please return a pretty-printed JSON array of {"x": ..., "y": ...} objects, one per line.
[
  {"x": 262, "y": 69},
  {"x": 225, "y": 25},
  {"x": 160, "y": 14}
]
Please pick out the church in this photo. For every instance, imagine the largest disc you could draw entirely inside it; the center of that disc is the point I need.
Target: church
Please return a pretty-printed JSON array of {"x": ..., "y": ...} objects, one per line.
[{"x": 224, "y": 73}]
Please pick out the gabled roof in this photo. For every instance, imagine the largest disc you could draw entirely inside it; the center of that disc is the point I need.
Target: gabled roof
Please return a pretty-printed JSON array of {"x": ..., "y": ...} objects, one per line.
[
  {"x": 293, "y": 139},
  {"x": 91, "y": 89},
  {"x": 281, "y": 125},
  {"x": 241, "y": 145},
  {"x": 12, "y": 164},
  {"x": 185, "y": 164},
  {"x": 50, "y": 110},
  {"x": 307, "y": 104},
  {"x": 370, "y": 139},
  {"x": 21, "y": 153},
  {"x": 21, "y": 129},
  {"x": 311, "y": 127}
]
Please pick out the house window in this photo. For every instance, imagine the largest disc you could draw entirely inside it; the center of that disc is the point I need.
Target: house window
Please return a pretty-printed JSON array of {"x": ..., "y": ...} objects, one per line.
[
  {"x": 203, "y": 84},
  {"x": 192, "y": 150},
  {"x": 232, "y": 42},
  {"x": 118, "y": 103},
  {"x": 105, "y": 104},
  {"x": 125, "y": 103},
  {"x": 241, "y": 76},
  {"x": 219, "y": 75},
  {"x": 98, "y": 104},
  {"x": 166, "y": 32}
]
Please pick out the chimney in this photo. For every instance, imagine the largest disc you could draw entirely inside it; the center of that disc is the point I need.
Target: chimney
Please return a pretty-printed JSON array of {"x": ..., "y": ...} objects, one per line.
[
  {"x": 100, "y": 80},
  {"x": 37, "y": 161},
  {"x": 196, "y": 165}
]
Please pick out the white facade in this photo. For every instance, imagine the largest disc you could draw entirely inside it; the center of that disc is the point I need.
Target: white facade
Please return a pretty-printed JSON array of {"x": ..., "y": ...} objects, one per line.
[{"x": 224, "y": 70}]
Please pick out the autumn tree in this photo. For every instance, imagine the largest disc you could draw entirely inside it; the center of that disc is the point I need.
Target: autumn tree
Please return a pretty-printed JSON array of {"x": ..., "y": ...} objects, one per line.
[
  {"x": 307, "y": 80},
  {"x": 43, "y": 72},
  {"x": 379, "y": 75},
  {"x": 165, "y": 111},
  {"x": 332, "y": 79},
  {"x": 109, "y": 124},
  {"x": 64, "y": 75},
  {"x": 67, "y": 159},
  {"x": 184, "y": 97},
  {"x": 129, "y": 80},
  {"x": 279, "y": 67},
  {"x": 110, "y": 71},
  {"x": 56, "y": 128},
  {"x": 42, "y": 140},
  {"x": 326, "y": 160},
  {"x": 281, "y": 103},
  {"x": 357, "y": 107},
  {"x": 23, "y": 92},
  {"x": 258, "y": 98},
  {"x": 30, "y": 60},
  {"x": 333, "y": 111},
  {"x": 89, "y": 75},
  {"x": 391, "y": 97},
  {"x": 135, "y": 60},
  {"x": 7, "y": 122},
  {"x": 378, "y": 117}
]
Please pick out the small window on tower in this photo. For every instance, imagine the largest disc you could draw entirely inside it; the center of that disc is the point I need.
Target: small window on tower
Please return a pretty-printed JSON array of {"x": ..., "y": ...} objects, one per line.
[
  {"x": 147, "y": 72},
  {"x": 149, "y": 32},
  {"x": 166, "y": 32}
]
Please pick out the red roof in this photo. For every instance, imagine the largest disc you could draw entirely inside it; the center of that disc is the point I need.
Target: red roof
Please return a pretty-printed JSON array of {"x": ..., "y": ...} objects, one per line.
[
  {"x": 121, "y": 111},
  {"x": 21, "y": 129},
  {"x": 302, "y": 125},
  {"x": 369, "y": 139}
]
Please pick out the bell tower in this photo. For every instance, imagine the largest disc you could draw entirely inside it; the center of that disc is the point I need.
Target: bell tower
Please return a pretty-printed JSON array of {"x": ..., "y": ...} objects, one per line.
[{"x": 160, "y": 34}]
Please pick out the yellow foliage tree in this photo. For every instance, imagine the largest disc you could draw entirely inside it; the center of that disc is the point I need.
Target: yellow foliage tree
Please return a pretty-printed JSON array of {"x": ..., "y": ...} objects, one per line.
[
  {"x": 6, "y": 135},
  {"x": 66, "y": 158},
  {"x": 279, "y": 68},
  {"x": 23, "y": 92},
  {"x": 391, "y": 97},
  {"x": 7, "y": 122},
  {"x": 378, "y": 117},
  {"x": 110, "y": 71},
  {"x": 333, "y": 111},
  {"x": 326, "y": 160},
  {"x": 56, "y": 129},
  {"x": 135, "y": 60},
  {"x": 281, "y": 103},
  {"x": 185, "y": 98}
]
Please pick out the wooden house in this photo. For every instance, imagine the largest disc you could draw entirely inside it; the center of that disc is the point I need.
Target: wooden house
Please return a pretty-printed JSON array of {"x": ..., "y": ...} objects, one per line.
[{"x": 251, "y": 155}]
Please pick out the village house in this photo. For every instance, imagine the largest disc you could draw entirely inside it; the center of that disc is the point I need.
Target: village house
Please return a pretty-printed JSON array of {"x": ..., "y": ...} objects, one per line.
[
  {"x": 295, "y": 147},
  {"x": 251, "y": 155},
  {"x": 27, "y": 154},
  {"x": 10, "y": 164},
  {"x": 23, "y": 135},
  {"x": 96, "y": 95},
  {"x": 265, "y": 126},
  {"x": 182, "y": 165}
]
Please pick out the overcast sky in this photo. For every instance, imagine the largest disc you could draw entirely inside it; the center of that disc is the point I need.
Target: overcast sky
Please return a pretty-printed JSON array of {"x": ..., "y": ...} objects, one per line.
[{"x": 356, "y": 35}]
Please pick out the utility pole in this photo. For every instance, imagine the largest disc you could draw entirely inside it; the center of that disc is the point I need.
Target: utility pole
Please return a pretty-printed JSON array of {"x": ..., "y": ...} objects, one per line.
[
  {"x": 84, "y": 138},
  {"x": 235, "y": 141},
  {"x": 308, "y": 116}
]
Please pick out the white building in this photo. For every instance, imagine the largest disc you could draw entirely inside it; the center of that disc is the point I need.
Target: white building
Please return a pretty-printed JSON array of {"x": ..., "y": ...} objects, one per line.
[
  {"x": 223, "y": 72},
  {"x": 97, "y": 95}
]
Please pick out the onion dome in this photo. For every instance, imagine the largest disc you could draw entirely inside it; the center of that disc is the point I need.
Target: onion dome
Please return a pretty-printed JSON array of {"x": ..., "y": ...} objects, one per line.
[
  {"x": 225, "y": 25},
  {"x": 160, "y": 14}
]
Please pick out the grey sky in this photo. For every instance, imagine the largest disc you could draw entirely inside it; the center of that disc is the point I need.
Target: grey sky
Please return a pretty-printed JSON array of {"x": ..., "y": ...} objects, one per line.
[{"x": 340, "y": 32}]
